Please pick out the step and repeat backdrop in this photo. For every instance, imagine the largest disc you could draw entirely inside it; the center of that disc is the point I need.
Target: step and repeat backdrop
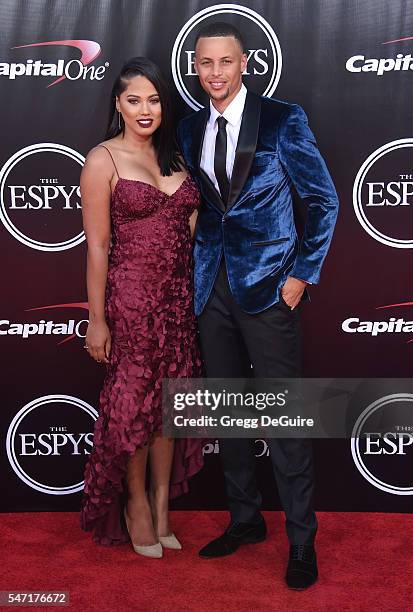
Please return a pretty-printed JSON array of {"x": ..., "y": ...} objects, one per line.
[{"x": 349, "y": 63}]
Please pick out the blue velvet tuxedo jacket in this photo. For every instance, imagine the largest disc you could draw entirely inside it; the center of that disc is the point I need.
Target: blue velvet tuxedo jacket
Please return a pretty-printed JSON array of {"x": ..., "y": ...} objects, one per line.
[{"x": 256, "y": 232}]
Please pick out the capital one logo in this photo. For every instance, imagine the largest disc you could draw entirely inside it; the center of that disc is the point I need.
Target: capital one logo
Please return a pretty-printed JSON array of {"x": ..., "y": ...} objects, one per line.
[
  {"x": 49, "y": 441},
  {"x": 390, "y": 325},
  {"x": 70, "y": 328},
  {"x": 383, "y": 194},
  {"x": 382, "y": 443},
  {"x": 379, "y": 66},
  {"x": 73, "y": 70},
  {"x": 263, "y": 52},
  {"x": 40, "y": 204}
]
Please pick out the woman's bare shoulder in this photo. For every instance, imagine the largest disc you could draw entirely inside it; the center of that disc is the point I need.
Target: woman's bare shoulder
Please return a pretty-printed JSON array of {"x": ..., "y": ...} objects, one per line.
[
  {"x": 98, "y": 170},
  {"x": 98, "y": 159}
]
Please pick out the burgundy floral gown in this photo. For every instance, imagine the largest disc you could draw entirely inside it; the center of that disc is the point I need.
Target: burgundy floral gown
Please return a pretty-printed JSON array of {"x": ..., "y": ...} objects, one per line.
[{"x": 149, "y": 310}]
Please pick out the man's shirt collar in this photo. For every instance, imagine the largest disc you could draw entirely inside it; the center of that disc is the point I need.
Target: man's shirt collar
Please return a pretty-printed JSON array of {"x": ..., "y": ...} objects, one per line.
[{"x": 233, "y": 112}]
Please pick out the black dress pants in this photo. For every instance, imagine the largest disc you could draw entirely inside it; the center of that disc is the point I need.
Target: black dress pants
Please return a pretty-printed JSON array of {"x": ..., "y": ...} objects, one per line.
[{"x": 231, "y": 341}]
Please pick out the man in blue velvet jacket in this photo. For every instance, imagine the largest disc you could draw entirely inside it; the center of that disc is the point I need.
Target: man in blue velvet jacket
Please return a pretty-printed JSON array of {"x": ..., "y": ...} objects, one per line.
[{"x": 246, "y": 153}]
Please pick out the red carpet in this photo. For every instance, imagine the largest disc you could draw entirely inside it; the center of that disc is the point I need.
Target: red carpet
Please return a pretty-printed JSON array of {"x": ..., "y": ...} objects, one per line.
[{"x": 365, "y": 563}]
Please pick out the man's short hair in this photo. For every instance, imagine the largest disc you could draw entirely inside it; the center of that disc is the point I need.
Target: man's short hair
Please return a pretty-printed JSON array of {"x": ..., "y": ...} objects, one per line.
[{"x": 220, "y": 28}]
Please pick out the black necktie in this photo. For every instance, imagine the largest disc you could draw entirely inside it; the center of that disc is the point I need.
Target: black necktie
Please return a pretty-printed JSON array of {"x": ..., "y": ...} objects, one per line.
[{"x": 220, "y": 159}]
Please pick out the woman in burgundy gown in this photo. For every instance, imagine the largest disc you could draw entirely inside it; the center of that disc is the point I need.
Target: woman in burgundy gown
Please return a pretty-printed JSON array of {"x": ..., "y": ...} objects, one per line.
[{"x": 138, "y": 203}]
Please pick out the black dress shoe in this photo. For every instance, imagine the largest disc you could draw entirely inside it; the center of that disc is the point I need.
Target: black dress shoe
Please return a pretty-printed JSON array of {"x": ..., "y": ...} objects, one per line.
[
  {"x": 232, "y": 538},
  {"x": 302, "y": 569}
]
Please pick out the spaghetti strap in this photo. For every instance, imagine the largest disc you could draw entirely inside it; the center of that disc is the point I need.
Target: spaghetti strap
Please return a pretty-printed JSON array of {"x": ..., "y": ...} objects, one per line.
[{"x": 111, "y": 158}]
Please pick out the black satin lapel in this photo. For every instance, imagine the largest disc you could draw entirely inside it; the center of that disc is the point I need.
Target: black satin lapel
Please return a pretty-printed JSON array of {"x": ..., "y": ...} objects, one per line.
[
  {"x": 198, "y": 132},
  {"x": 246, "y": 146},
  {"x": 208, "y": 186},
  {"x": 213, "y": 195}
]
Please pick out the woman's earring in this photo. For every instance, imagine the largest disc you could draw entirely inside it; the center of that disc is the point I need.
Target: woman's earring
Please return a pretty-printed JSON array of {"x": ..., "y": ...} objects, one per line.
[{"x": 119, "y": 126}]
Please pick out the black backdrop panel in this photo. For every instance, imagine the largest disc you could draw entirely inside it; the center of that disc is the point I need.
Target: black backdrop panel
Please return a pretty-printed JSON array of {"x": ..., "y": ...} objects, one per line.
[{"x": 349, "y": 64}]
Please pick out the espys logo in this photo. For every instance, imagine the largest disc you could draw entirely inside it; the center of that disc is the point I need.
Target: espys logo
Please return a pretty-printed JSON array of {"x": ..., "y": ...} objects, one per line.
[
  {"x": 393, "y": 325},
  {"x": 264, "y": 52},
  {"x": 384, "y": 459},
  {"x": 73, "y": 70},
  {"x": 383, "y": 194},
  {"x": 70, "y": 328},
  {"x": 40, "y": 201},
  {"x": 378, "y": 66},
  {"x": 48, "y": 443}
]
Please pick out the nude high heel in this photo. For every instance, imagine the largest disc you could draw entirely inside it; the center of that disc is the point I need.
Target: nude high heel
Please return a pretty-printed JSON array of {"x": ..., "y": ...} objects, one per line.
[
  {"x": 170, "y": 541},
  {"x": 151, "y": 550}
]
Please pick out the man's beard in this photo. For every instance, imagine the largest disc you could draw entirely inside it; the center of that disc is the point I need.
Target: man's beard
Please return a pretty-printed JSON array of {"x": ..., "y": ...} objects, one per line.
[{"x": 216, "y": 95}]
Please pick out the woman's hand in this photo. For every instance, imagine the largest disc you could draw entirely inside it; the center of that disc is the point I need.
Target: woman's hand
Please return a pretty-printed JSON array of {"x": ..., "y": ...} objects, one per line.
[{"x": 98, "y": 341}]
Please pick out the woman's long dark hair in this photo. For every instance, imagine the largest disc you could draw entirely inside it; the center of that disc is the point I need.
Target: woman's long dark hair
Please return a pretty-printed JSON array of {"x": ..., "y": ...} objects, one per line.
[{"x": 163, "y": 138}]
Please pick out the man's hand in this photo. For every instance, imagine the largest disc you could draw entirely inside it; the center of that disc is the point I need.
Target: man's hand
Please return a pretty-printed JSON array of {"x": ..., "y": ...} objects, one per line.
[{"x": 292, "y": 291}]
